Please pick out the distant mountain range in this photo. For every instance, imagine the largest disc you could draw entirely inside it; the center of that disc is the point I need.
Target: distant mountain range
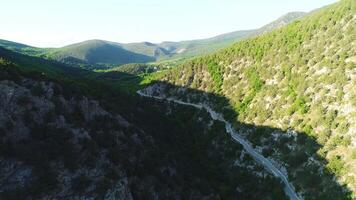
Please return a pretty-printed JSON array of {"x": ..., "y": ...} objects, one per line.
[{"x": 111, "y": 53}]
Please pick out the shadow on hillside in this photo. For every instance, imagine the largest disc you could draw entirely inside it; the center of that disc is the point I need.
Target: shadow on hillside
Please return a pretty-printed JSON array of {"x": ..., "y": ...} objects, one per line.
[
  {"x": 117, "y": 55},
  {"x": 306, "y": 169},
  {"x": 302, "y": 175}
]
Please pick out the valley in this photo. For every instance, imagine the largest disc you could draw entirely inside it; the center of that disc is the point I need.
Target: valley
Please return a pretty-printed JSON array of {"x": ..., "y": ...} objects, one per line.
[{"x": 266, "y": 114}]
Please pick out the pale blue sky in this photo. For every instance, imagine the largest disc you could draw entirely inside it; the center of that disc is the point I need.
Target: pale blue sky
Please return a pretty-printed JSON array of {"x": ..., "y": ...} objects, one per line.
[{"x": 50, "y": 23}]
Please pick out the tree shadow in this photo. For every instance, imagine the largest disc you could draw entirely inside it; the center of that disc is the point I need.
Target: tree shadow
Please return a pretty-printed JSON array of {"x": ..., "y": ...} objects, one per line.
[{"x": 292, "y": 150}]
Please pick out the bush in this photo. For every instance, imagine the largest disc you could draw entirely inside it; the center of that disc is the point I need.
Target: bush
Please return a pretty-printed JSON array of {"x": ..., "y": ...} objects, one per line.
[{"x": 336, "y": 165}]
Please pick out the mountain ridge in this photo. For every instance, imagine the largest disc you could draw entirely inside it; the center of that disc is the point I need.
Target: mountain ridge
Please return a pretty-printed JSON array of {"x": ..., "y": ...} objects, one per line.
[{"x": 98, "y": 51}]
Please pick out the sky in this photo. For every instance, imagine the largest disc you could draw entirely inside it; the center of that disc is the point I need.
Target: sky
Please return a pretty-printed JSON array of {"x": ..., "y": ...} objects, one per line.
[{"x": 56, "y": 23}]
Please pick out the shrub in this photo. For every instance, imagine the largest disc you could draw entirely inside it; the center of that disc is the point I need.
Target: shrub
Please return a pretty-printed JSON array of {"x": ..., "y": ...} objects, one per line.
[
  {"x": 216, "y": 74},
  {"x": 336, "y": 165}
]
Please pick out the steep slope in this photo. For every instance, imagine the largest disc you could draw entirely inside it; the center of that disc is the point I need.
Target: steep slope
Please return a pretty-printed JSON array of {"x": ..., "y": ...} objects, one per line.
[
  {"x": 300, "y": 78},
  {"x": 64, "y": 138}
]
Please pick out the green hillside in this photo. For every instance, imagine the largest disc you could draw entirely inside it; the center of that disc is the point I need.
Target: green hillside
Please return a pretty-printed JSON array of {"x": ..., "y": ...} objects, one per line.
[
  {"x": 74, "y": 126},
  {"x": 22, "y": 48},
  {"x": 98, "y": 51},
  {"x": 300, "y": 78},
  {"x": 99, "y": 54},
  {"x": 205, "y": 46},
  {"x": 69, "y": 135},
  {"x": 49, "y": 68},
  {"x": 124, "y": 80}
]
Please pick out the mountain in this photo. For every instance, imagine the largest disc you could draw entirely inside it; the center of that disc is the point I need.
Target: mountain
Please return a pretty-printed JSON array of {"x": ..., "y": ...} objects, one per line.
[
  {"x": 64, "y": 135},
  {"x": 93, "y": 51},
  {"x": 106, "y": 54},
  {"x": 300, "y": 79},
  {"x": 205, "y": 46},
  {"x": 282, "y": 21},
  {"x": 147, "y": 48},
  {"x": 270, "y": 117},
  {"x": 98, "y": 51}
]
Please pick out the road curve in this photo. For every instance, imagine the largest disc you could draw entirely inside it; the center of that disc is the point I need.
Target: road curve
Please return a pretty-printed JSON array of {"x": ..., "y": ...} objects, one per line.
[{"x": 268, "y": 165}]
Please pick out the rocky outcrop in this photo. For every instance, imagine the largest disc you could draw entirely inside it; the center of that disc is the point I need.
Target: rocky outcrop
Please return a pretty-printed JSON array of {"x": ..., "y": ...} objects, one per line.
[{"x": 35, "y": 114}]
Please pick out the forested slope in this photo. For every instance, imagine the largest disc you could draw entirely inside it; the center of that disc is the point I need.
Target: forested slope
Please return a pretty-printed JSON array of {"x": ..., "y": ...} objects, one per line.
[
  {"x": 62, "y": 137},
  {"x": 301, "y": 77}
]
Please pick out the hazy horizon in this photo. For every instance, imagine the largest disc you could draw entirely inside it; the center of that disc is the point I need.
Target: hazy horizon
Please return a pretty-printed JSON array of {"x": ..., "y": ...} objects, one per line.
[{"x": 56, "y": 24}]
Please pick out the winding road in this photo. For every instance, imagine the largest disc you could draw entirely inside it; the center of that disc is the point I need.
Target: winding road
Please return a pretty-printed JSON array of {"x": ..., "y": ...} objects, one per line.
[{"x": 268, "y": 165}]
